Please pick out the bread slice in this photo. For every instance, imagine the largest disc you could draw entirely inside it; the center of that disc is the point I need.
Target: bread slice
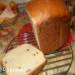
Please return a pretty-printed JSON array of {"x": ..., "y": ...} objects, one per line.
[{"x": 23, "y": 60}]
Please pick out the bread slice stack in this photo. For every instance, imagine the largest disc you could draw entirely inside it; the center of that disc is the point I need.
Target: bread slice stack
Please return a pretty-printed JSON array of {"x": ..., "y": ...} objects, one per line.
[{"x": 23, "y": 60}]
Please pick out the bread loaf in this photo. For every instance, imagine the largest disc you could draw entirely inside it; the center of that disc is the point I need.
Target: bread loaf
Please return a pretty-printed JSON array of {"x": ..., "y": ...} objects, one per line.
[
  {"x": 23, "y": 60},
  {"x": 50, "y": 19}
]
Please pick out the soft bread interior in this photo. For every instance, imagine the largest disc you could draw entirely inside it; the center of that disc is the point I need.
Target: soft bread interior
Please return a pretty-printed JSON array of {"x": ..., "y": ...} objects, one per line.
[{"x": 23, "y": 60}]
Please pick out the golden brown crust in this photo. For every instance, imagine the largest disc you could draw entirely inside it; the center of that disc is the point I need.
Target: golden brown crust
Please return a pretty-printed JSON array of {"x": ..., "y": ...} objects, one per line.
[
  {"x": 50, "y": 20},
  {"x": 41, "y": 10},
  {"x": 52, "y": 35}
]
